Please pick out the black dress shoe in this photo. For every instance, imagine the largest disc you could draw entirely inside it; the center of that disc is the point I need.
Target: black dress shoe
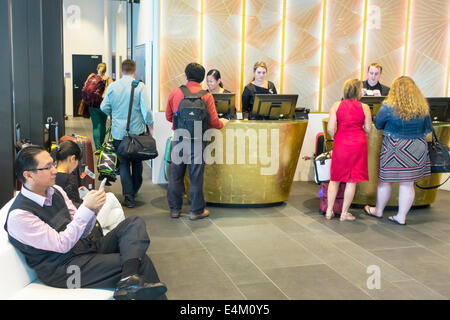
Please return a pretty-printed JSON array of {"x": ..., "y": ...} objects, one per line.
[
  {"x": 135, "y": 288},
  {"x": 129, "y": 202}
]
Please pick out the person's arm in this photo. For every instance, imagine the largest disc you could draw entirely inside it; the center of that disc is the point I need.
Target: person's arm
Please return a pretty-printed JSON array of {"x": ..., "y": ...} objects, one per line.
[
  {"x": 71, "y": 189},
  {"x": 145, "y": 106},
  {"x": 367, "y": 118},
  {"x": 169, "y": 108},
  {"x": 28, "y": 229},
  {"x": 105, "y": 106},
  {"x": 428, "y": 125},
  {"x": 382, "y": 117},
  {"x": 274, "y": 89},
  {"x": 246, "y": 97},
  {"x": 73, "y": 210},
  {"x": 332, "y": 122},
  {"x": 214, "y": 121}
]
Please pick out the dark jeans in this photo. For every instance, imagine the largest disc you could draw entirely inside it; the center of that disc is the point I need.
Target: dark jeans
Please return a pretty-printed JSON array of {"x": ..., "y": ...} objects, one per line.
[
  {"x": 129, "y": 240},
  {"x": 131, "y": 178},
  {"x": 176, "y": 182}
]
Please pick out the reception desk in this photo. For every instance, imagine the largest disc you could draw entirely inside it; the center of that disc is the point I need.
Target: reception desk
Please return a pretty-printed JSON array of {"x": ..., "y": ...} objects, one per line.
[
  {"x": 366, "y": 192},
  {"x": 258, "y": 163}
]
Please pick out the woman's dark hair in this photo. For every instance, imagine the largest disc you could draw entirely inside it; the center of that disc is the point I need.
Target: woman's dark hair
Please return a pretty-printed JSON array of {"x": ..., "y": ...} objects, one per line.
[
  {"x": 195, "y": 72},
  {"x": 25, "y": 160},
  {"x": 216, "y": 74},
  {"x": 66, "y": 149}
]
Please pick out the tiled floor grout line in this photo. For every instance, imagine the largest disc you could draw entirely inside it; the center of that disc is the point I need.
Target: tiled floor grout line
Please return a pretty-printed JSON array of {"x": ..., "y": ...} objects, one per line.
[
  {"x": 344, "y": 238},
  {"x": 394, "y": 283},
  {"x": 257, "y": 267},
  {"x": 331, "y": 267},
  {"x": 215, "y": 261},
  {"x": 398, "y": 270}
]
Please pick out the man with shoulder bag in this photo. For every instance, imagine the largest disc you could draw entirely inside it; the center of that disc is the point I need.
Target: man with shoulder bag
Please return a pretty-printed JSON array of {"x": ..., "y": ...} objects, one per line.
[{"x": 130, "y": 116}]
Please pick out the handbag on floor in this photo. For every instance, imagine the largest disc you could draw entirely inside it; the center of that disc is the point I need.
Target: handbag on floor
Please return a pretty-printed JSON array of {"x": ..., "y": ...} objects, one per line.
[{"x": 137, "y": 147}]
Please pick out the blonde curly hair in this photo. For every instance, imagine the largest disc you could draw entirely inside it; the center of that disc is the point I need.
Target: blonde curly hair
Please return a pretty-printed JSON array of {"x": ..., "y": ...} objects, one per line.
[{"x": 407, "y": 99}]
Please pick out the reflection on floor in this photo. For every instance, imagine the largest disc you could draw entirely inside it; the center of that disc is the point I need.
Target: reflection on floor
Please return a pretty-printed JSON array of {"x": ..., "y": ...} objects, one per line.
[{"x": 291, "y": 251}]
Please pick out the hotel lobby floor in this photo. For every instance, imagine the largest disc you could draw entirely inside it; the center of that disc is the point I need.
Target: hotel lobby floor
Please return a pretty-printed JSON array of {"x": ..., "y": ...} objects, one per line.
[{"x": 291, "y": 251}]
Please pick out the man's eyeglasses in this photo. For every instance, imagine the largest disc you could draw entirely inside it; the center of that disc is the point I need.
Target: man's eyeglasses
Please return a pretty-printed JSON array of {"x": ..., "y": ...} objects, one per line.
[{"x": 49, "y": 167}]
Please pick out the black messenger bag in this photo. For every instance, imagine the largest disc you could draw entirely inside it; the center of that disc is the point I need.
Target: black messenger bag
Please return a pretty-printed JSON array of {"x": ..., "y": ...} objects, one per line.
[{"x": 137, "y": 147}]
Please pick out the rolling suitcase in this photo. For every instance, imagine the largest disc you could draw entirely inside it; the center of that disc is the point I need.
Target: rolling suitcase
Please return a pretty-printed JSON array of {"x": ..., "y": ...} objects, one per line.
[
  {"x": 86, "y": 170},
  {"x": 338, "y": 204}
]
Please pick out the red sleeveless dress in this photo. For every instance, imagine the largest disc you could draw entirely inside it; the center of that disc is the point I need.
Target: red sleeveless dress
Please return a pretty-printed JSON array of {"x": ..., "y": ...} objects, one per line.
[{"x": 349, "y": 157}]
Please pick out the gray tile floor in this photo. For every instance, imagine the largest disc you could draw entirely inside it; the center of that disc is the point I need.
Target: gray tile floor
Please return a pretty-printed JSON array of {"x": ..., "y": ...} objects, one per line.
[{"x": 291, "y": 251}]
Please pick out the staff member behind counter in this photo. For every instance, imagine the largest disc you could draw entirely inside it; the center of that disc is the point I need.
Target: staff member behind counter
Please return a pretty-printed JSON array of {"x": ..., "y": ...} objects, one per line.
[
  {"x": 259, "y": 85},
  {"x": 214, "y": 82},
  {"x": 372, "y": 86}
]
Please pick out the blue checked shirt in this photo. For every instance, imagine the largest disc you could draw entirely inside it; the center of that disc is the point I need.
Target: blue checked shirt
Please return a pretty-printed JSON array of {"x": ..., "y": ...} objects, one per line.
[{"x": 116, "y": 103}]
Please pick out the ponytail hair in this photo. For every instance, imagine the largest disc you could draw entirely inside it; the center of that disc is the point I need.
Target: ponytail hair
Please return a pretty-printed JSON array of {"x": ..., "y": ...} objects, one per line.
[
  {"x": 66, "y": 149},
  {"x": 216, "y": 74},
  {"x": 101, "y": 67}
]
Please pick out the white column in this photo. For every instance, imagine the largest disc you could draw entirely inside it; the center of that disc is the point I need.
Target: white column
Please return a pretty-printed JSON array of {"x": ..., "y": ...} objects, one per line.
[{"x": 107, "y": 30}]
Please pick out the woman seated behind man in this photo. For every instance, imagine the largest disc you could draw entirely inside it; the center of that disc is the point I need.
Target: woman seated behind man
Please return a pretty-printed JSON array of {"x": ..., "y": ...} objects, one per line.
[
  {"x": 67, "y": 156},
  {"x": 349, "y": 157},
  {"x": 405, "y": 121}
]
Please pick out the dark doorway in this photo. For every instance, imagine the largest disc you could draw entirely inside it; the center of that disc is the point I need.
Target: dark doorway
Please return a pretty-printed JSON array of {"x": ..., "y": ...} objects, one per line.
[{"x": 82, "y": 66}]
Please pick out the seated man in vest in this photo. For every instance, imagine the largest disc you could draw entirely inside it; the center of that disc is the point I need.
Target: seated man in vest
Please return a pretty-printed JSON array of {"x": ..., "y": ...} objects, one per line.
[
  {"x": 372, "y": 86},
  {"x": 198, "y": 99},
  {"x": 56, "y": 238}
]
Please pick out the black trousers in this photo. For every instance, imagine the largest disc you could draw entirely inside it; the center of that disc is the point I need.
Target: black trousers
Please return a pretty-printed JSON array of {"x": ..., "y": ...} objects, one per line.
[
  {"x": 103, "y": 269},
  {"x": 175, "y": 189}
]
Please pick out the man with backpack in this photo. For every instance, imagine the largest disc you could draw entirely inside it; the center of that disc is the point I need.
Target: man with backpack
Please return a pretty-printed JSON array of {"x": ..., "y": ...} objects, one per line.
[
  {"x": 188, "y": 107},
  {"x": 116, "y": 104}
]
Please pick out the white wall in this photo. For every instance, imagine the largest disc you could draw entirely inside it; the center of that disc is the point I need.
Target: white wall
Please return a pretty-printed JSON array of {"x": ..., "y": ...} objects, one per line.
[{"x": 87, "y": 30}]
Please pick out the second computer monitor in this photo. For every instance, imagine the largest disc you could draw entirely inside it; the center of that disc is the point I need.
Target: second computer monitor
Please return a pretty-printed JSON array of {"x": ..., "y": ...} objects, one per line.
[
  {"x": 274, "y": 106},
  {"x": 225, "y": 105}
]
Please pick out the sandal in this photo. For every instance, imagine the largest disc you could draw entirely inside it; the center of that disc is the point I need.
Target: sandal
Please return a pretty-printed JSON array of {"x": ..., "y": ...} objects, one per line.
[
  {"x": 347, "y": 216},
  {"x": 392, "y": 219},
  {"x": 369, "y": 213},
  {"x": 329, "y": 216}
]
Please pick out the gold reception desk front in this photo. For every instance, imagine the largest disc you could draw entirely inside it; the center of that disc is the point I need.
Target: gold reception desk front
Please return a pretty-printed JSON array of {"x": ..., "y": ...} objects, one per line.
[
  {"x": 258, "y": 163},
  {"x": 366, "y": 192}
]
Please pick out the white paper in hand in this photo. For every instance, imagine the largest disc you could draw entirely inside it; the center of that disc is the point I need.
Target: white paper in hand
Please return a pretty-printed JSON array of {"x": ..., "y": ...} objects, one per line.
[{"x": 102, "y": 185}]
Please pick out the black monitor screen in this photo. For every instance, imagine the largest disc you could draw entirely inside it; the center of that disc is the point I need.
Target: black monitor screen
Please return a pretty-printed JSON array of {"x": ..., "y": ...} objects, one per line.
[
  {"x": 274, "y": 106},
  {"x": 439, "y": 107},
  {"x": 373, "y": 102},
  {"x": 225, "y": 104}
]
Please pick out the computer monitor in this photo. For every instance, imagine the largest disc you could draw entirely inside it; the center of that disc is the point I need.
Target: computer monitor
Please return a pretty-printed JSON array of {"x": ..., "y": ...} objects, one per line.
[
  {"x": 274, "y": 106},
  {"x": 373, "y": 102},
  {"x": 439, "y": 108},
  {"x": 225, "y": 105}
]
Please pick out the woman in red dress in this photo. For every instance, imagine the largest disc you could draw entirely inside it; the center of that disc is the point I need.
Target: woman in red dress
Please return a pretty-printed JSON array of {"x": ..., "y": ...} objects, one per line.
[{"x": 349, "y": 157}]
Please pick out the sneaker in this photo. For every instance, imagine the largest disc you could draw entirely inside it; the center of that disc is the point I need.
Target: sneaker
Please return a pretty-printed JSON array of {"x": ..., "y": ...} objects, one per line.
[
  {"x": 135, "y": 288},
  {"x": 175, "y": 214},
  {"x": 199, "y": 216}
]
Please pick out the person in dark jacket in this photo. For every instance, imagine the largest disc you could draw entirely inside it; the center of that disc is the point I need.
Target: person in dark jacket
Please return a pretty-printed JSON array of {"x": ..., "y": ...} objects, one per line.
[
  {"x": 67, "y": 155},
  {"x": 54, "y": 236},
  {"x": 372, "y": 86},
  {"x": 259, "y": 85},
  {"x": 405, "y": 121}
]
